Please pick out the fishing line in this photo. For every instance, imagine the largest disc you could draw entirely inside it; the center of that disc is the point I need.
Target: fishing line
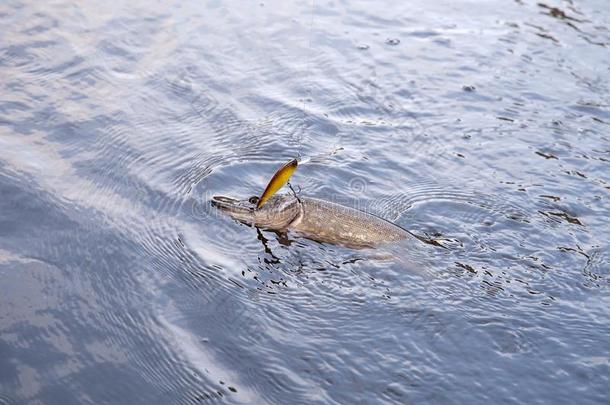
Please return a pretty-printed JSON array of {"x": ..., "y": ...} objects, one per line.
[
  {"x": 308, "y": 87},
  {"x": 308, "y": 91}
]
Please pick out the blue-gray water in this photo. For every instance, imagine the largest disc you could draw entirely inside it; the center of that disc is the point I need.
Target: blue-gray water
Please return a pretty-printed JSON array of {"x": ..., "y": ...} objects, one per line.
[{"x": 483, "y": 125}]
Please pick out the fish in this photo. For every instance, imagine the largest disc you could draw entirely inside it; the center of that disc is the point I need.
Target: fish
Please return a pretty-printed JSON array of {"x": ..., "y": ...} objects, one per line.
[
  {"x": 315, "y": 219},
  {"x": 278, "y": 180}
]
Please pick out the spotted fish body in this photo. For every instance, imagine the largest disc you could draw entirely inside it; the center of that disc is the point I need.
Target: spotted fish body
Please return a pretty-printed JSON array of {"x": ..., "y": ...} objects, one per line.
[{"x": 315, "y": 219}]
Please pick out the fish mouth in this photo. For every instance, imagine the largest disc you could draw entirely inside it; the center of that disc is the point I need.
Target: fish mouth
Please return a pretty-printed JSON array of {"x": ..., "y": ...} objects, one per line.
[
  {"x": 278, "y": 213},
  {"x": 232, "y": 205}
]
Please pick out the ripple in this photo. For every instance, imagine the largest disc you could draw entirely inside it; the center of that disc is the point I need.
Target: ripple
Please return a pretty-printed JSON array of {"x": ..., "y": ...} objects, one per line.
[
  {"x": 482, "y": 206},
  {"x": 119, "y": 124}
]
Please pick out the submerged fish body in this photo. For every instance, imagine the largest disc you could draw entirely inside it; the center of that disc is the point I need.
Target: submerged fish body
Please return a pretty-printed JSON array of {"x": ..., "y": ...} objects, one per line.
[{"x": 316, "y": 219}]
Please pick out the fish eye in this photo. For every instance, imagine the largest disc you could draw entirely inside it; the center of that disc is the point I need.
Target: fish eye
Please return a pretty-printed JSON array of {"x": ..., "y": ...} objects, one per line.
[{"x": 253, "y": 200}]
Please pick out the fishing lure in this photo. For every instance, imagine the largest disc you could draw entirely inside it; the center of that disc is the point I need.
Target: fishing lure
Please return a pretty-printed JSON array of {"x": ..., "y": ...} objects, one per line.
[{"x": 278, "y": 180}]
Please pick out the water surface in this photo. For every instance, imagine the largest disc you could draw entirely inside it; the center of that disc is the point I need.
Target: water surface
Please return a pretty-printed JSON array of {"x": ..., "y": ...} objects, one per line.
[{"x": 482, "y": 125}]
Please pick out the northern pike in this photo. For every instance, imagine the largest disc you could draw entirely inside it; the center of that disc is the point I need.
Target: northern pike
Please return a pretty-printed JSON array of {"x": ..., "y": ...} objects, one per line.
[{"x": 315, "y": 219}]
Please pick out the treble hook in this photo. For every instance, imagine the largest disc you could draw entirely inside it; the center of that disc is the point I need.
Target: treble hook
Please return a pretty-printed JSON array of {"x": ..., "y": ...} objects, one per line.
[{"x": 294, "y": 192}]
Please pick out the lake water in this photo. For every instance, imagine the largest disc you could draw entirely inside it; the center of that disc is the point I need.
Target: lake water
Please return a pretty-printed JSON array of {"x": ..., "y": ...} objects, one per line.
[{"x": 481, "y": 125}]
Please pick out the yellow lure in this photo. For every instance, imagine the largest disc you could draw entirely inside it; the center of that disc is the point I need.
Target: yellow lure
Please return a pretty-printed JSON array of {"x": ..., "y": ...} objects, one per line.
[{"x": 280, "y": 178}]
